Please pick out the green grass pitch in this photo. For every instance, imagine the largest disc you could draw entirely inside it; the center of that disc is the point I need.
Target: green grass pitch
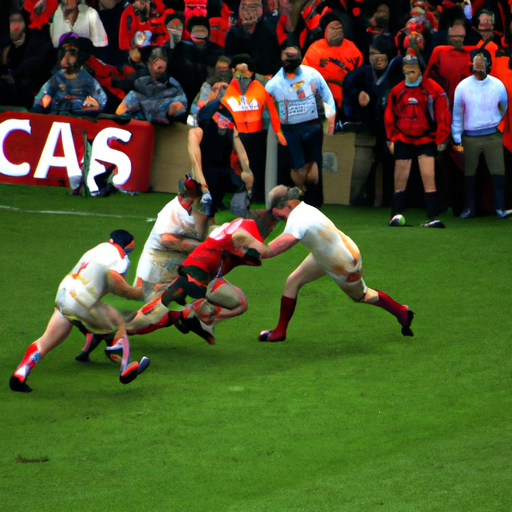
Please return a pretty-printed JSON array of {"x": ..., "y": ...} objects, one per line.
[{"x": 345, "y": 415}]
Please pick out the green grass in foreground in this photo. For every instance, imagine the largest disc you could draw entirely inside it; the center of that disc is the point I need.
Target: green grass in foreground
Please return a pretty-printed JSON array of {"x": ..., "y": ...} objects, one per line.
[{"x": 346, "y": 415}]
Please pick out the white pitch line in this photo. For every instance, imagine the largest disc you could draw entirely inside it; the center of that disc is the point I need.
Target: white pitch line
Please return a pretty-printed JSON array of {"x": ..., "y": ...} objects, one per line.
[{"x": 82, "y": 214}]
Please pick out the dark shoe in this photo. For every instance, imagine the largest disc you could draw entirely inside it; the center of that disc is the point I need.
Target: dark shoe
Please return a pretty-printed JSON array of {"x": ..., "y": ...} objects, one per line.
[
  {"x": 92, "y": 341},
  {"x": 467, "y": 214},
  {"x": 504, "y": 214},
  {"x": 185, "y": 325},
  {"x": 17, "y": 385},
  {"x": 433, "y": 224},
  {"x": 267, "y": 336},
  {"x": 406, "y": 327}
]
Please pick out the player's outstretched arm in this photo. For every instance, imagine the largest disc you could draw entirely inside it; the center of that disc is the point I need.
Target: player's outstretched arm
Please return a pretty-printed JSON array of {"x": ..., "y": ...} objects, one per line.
[
  {"x": 118, "y": 286},
  {"x": 280, "y": 244}
]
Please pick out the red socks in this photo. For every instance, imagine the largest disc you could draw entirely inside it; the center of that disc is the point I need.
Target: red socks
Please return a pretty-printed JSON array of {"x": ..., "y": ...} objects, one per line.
[
  {"x": 391, "y": 306},
  {"x": 30, "y": 359},
  {"x": 285, "y": 315}
]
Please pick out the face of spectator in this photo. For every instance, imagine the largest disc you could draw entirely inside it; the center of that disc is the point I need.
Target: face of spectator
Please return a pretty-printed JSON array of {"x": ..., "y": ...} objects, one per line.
[
  {"x": 485, "y": 24},
  {"x": 285, "y": 7},
  {"x": 334, "y": 33},
  {"x": 291, "y": 59},
  {"x": 142, "y": 9},
  {"x": 68, "y": 62},
  {"x": 175, "y": 28},
  {"x": 250, "y": 11},
  {"x": 378, "y": 61},
  {"x": 17, "y": 28},
  {"x": 199, "y": 35},
  {"x": 270, "y": 6},
  {"x": 157, "y": 67},
  {"x": 223, "y": 72},
  {"x": 479, "y": 66},
  {"x": 411, "y": 72},
  {"x": 456, "y": 36}
]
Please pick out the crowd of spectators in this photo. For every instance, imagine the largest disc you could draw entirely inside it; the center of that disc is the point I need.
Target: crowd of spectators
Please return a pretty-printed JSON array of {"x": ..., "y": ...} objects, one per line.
[{"x": 164, "y": 60}]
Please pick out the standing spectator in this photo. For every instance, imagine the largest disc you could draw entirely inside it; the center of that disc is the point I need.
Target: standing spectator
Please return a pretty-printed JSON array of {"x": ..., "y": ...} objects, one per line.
[
  {"x": 255, "y": 35},
  {"x": 333, "y": 56},
  {"x": 450, "y": 64},
  {"x": 76, "y": 16},
  {"x": 194, "y": 61},
  {"x": 72, "y": 90},
  {"x": 479, "y": 106},
  {"x": 26, "y": 59},
  {"x": 299, "y": 90},
  {"x": 246, "y": 99},
  {"x": 483, "y": 23},
  {"x": 417, "y": 119},
  {"x": 156, "y": 97},
  {"x": 365, "y": 92}
]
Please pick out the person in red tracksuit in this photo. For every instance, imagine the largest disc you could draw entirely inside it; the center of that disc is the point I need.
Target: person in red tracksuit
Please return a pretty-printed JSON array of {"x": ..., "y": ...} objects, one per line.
[{"x": 417, "y": 119}]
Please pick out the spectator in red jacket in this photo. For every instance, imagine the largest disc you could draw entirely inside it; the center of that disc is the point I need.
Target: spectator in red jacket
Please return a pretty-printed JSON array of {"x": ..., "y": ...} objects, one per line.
[{"x": 417, "y": 119}]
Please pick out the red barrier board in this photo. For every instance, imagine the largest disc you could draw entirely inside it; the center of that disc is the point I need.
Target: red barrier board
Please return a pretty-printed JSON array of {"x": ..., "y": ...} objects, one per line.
[{"x": 38, "y": 149}]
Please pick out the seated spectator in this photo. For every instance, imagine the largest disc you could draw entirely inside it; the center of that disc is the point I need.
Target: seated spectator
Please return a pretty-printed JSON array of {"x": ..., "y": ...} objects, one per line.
[
  {"x": 175, "y": 29},
  {"x": 193, "y": 61},
  {"x": 26, "y": 59},
  {"x": 257, "y": 36},
  {"x": 77, "y": 17},
  {"x": 72, "y": 90},
  {"x": 333, "y": 56},
  {"x": 143, "y": 23},
  {"x": 156, "y": 97}
]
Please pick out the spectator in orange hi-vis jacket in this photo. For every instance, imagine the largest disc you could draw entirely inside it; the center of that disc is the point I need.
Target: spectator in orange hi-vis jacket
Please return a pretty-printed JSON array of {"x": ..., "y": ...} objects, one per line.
[
  {"x": 246, "y": 100},
  {"x": 333, "y": 56}
]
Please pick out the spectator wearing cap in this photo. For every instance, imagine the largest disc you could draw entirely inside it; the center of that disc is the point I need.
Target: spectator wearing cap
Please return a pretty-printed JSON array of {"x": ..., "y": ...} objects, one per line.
[
  {"x": 77, "y": 17},
  {"x": 298, "y": 90},
  {"x": 479, "y": 106},
  {"x": 333, "y": 56},
  {"x": 255, "y": 35},
  {"x": 417, "y": 120},
  {"x": 365, "y": 92},
  {"x": 72, "y": 90},
  {"x": 156, "y": 97},
  {"x": 26, "y": 59},
  {"x": 245, "y": 100},
  {"x": 194, "y": 60}
]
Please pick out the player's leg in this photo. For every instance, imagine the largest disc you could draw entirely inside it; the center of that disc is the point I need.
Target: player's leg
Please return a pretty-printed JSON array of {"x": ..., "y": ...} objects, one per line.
[
  {"x": 56, "y": 332},
  {"x": 223, "y": 300},
  {"x": 104, "y": 317},
  {"x": 359, "y": 292},
  {"x": 402, "y": 171},
  {"x": 309, "y": 270}
]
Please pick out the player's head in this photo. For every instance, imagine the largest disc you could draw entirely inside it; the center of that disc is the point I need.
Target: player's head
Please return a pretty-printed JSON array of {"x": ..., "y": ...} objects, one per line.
[
  {"x": 124, "y": 239},
  {"x": 189, "y": 191},
  {"x": 278, "y": 200}
]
